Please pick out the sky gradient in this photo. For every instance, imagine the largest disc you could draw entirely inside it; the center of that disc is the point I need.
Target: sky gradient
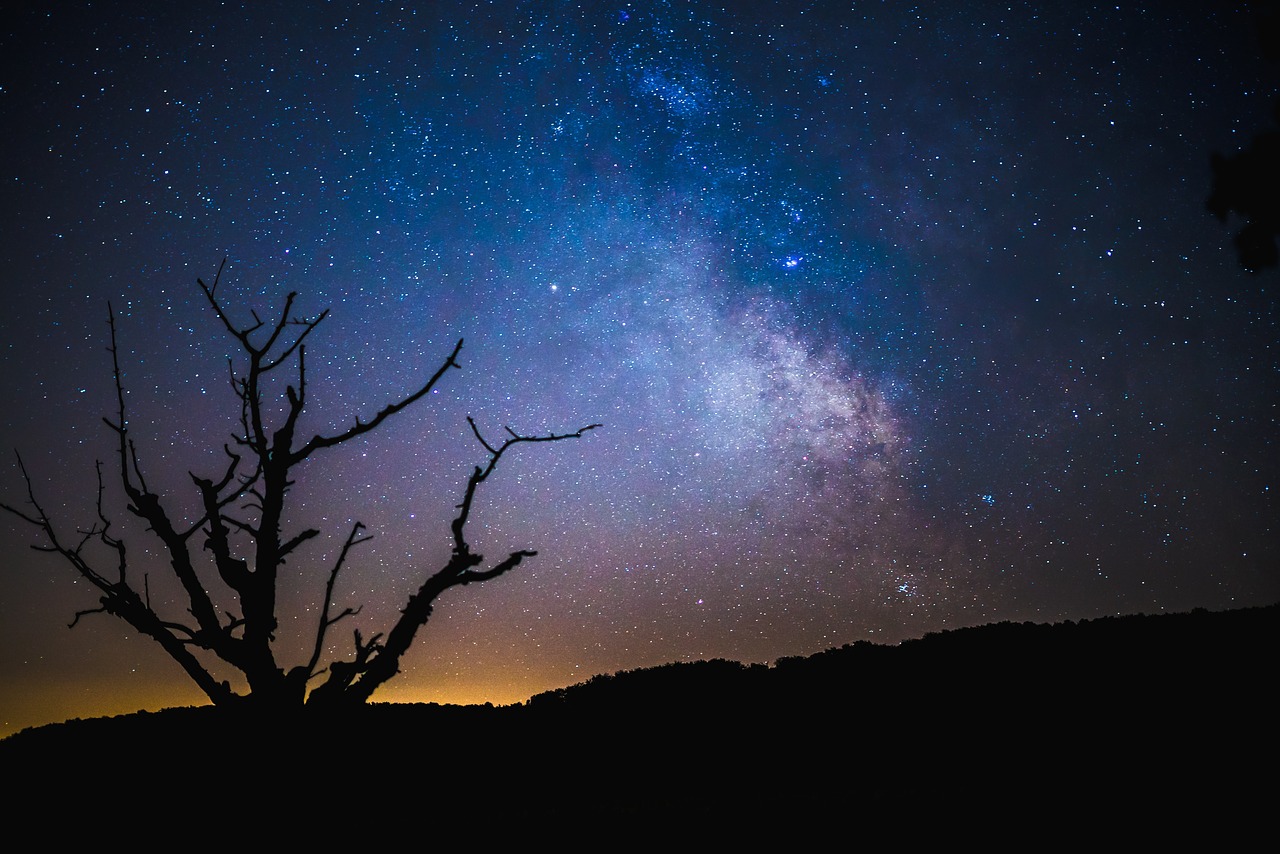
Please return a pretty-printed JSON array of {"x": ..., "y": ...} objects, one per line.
[{"x": 898, "y": 317}]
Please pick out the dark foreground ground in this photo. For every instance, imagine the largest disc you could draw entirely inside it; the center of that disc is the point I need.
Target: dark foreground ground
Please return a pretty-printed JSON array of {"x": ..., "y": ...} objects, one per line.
[{"x": 1134, "y": 730}]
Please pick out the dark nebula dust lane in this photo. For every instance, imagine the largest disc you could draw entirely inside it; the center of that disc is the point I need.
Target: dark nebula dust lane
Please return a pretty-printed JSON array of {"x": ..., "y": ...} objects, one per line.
[{"x": 898, "y": 317}]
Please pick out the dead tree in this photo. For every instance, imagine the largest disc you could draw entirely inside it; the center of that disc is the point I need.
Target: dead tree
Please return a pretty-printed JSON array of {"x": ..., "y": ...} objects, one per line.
[{"x": 239, "y": 537}]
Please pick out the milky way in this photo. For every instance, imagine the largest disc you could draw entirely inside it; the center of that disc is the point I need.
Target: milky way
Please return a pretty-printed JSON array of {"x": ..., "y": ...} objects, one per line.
[{"x": 898, "y": 317}]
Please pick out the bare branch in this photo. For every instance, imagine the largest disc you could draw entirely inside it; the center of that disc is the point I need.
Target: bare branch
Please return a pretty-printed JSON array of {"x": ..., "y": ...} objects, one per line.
[
  {"x": 308, "y": 327},
  {"x": 118, "y": 597},
  {"x": 85, "y": 613},
  {"x": 512, "y": 561},
  {"x": 476, "y": 431},
  {"x": 40, "y": 519},
  {"x": 295, "y": 542},
  {"x": 216, "y": 277},
  {"x": 243, "y": 526},
  {"x": 219, "y": 503},
  {"x": 479, "y": 475},
  {"x": 241, "y": 334},
  {"x": 121, "y": 426},
  {"x": 342, "y": 674},
  {"x": 361, "y": 428},
  {"x": 353, "y": 539},
  {"x": 357, "y": 681}
]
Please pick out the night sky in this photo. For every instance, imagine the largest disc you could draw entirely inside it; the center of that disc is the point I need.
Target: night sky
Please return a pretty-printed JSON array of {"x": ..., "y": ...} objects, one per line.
[{"x": 898, "y": 318}]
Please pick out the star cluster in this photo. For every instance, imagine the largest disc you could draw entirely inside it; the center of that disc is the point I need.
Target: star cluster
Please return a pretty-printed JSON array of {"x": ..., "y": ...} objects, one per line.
[{"x": 899, "y": 317}]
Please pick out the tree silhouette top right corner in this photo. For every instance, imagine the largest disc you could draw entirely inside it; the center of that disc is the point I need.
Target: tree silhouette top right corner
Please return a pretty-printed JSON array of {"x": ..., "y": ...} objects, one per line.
[{"x": 1248, "y": 183}]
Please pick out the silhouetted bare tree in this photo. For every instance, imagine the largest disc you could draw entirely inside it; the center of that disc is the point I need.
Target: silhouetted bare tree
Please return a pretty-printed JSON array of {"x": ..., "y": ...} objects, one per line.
[{"x": 240, "y": 533}]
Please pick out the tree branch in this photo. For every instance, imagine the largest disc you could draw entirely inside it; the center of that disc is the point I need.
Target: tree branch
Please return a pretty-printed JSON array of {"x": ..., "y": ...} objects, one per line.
[
  {"x": 480, "y": 475},
  {"x": 355, "y": 682},
  {"x": 353, "y": 539},
  {"x": 118, "y": 597},
  {"x": 361, "y": 428}
]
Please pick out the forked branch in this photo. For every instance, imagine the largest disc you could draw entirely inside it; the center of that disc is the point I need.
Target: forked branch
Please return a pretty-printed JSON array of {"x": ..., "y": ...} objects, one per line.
[
  {"x": 354, "y": 682},
  {"x": 353, "y": 539}
]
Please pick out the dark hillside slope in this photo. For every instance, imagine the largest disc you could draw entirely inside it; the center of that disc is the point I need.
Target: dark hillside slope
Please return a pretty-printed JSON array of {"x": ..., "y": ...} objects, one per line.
[
  {"x": 1134, "y": 719},
  {"x": 1170, "y": 715}
]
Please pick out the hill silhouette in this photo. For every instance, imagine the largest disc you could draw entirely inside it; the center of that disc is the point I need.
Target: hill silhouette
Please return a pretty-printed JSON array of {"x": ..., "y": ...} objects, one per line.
[{"x": 1155, "y": 722}]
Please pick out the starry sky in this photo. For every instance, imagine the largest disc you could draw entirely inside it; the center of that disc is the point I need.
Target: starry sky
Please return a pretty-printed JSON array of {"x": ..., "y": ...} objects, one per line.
[{"x": 899, "y": 317}]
